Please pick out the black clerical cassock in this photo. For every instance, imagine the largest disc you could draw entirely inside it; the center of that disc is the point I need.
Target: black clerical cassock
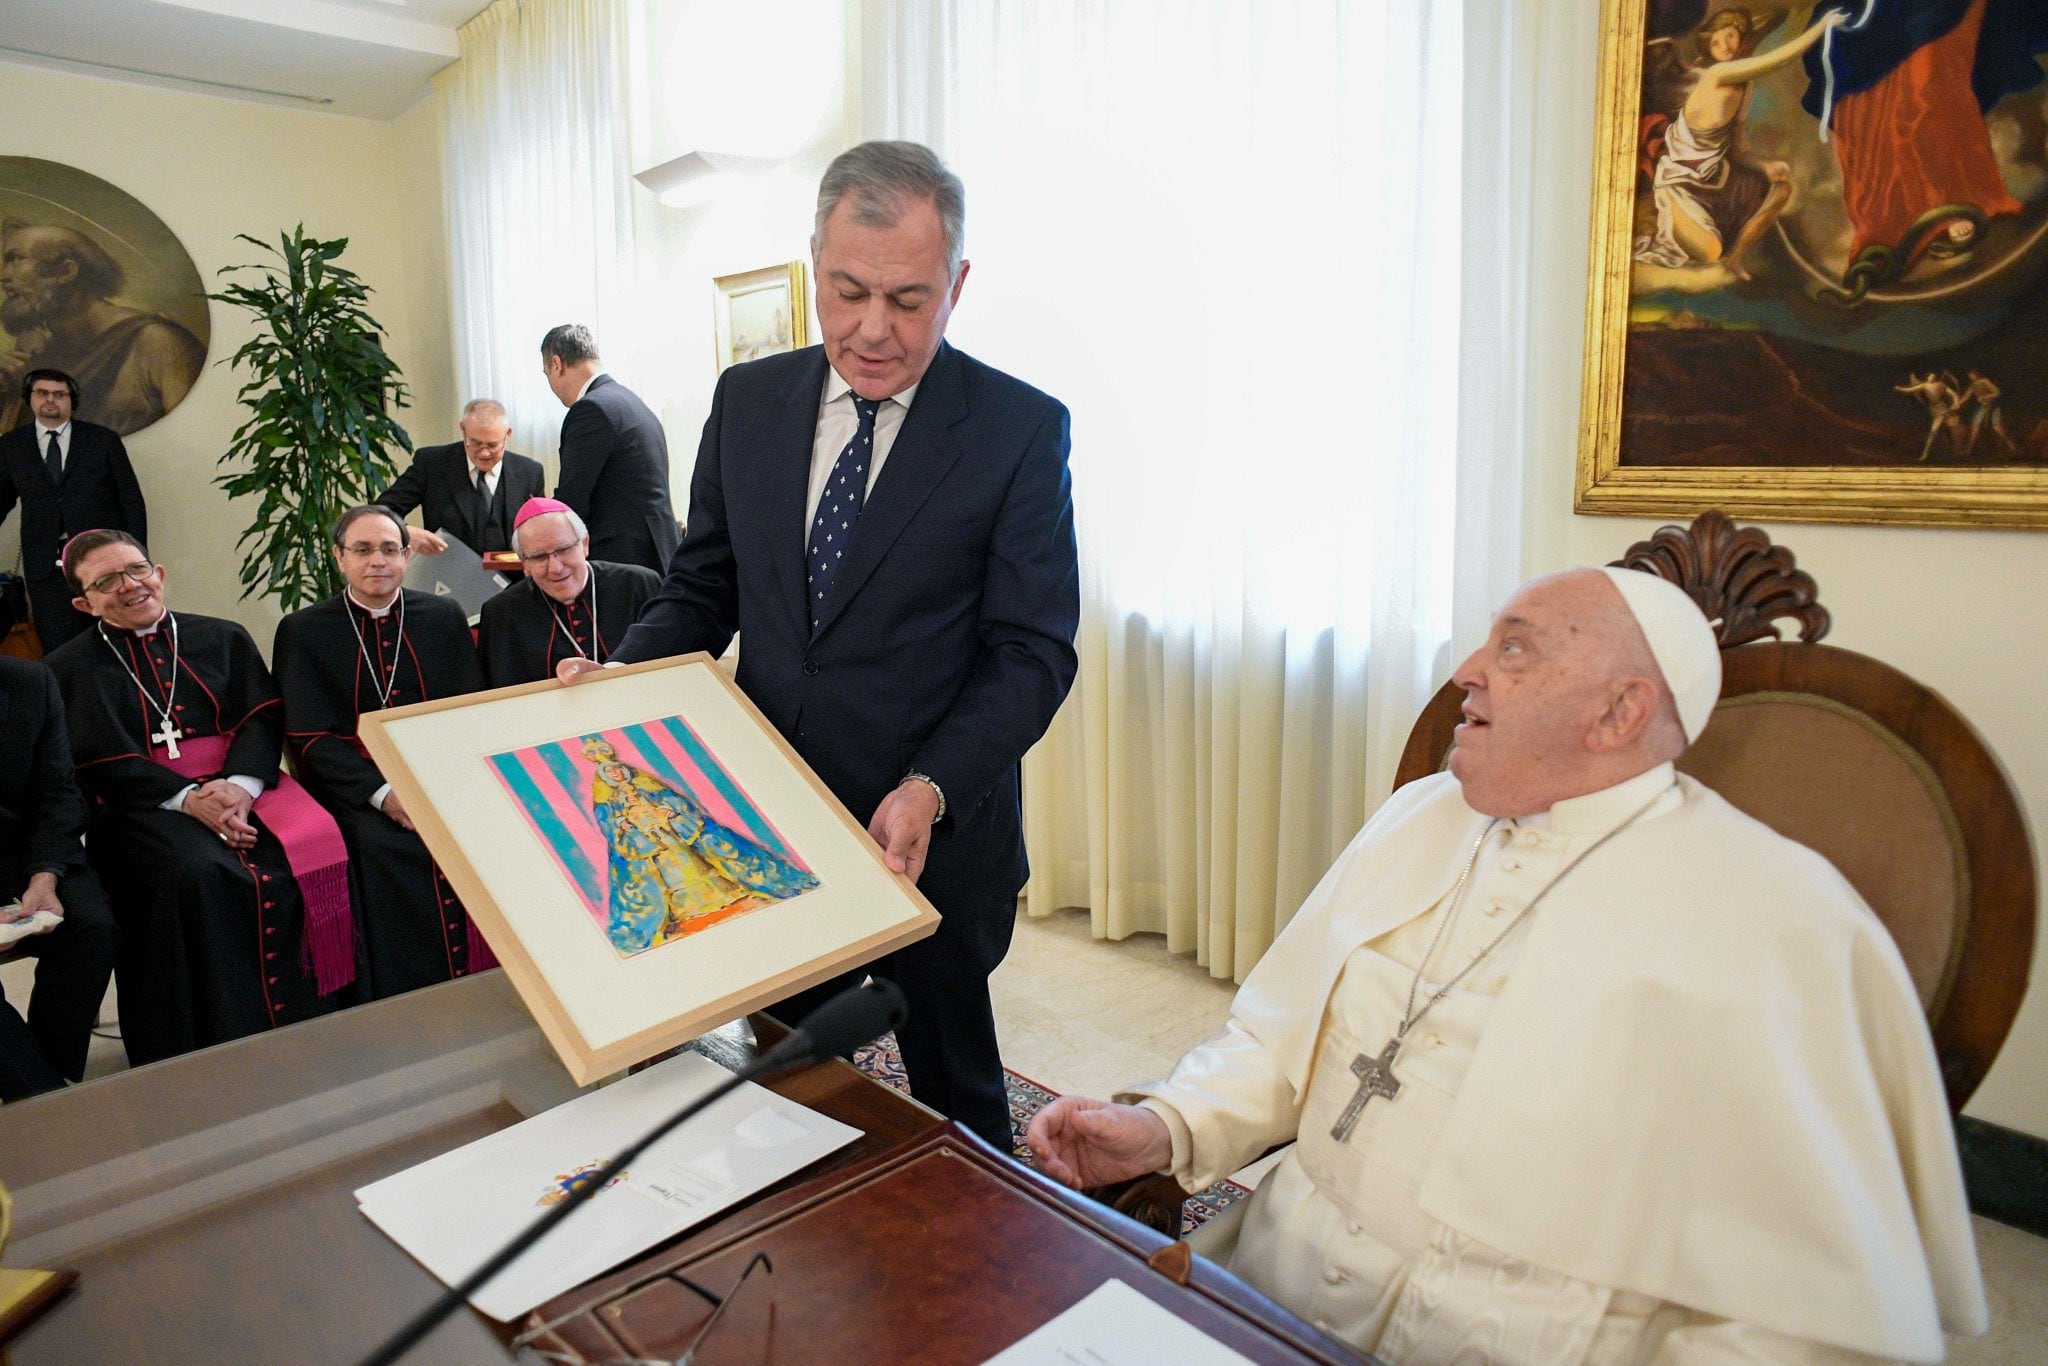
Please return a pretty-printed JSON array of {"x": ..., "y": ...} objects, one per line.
[
  {"x": 523, "y": 633},
  {"x": 336, "y": 660},
  {"x": 216, "y": 942}
]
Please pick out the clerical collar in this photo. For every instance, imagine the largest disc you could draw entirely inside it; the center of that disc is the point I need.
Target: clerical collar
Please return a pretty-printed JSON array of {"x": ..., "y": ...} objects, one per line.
[
  {"x": 1598, "y": 811},
  {"x": 377, "y": 613},
  {"x": 145, "y": 632},
  {"x": 836, "y": 388}
]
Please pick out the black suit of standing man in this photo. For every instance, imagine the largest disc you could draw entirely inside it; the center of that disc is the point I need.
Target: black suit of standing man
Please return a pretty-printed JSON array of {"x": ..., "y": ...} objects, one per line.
[
  {"x": 442, "y": 483},
  {"x": 42, "y": 865},
  {"x": 614, "y": 455},
  {"x": 92, "y": 488},
  {"x": 913, "y": 656}
]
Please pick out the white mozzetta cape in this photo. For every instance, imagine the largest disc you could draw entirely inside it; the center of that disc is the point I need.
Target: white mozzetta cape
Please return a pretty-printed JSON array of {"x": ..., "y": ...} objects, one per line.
[{"x": 1708, "y": 1078}]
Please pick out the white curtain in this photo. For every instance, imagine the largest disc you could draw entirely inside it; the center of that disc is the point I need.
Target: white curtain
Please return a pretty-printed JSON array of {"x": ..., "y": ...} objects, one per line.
[
  {"x": 535, "y": 119},
  {"x": 1266, "y": 252}
]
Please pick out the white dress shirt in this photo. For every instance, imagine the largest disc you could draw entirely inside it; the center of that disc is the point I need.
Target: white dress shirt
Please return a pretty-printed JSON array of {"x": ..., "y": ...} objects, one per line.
[
  {"x": 837, "y": 422},
  {"x": 63, "y": 444}
]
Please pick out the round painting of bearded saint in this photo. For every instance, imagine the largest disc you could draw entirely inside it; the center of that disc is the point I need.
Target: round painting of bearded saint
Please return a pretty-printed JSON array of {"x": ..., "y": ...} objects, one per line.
[{"x": 95, "y": 285}]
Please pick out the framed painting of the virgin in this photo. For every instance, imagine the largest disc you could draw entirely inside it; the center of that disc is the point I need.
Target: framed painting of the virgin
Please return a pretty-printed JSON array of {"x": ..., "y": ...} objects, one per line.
[
  {"x": 1819, "y": 285},
  {"x": 647, "y": 857}
]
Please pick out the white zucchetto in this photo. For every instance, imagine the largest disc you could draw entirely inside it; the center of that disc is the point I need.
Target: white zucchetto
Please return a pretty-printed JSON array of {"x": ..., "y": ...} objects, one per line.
[{"x": 1680, "y": 640}]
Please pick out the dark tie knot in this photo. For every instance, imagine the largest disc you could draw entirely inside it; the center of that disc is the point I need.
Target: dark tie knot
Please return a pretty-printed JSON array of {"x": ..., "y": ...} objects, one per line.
[{"x": 867, "y": 408}]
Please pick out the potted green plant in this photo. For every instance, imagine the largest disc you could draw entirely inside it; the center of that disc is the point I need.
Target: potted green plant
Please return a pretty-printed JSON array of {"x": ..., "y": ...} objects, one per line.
[{"x": 320, "y": 391}]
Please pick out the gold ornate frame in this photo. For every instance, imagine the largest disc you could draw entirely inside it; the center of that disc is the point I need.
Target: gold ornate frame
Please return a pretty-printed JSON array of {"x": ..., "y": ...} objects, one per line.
[
  {"x": 750, "y": 290},
  {"x": 2000, "y": 496}
]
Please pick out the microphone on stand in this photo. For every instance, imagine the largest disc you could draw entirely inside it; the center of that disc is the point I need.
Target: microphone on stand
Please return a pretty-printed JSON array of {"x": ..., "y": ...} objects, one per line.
[{"x": 854, "y": 1017}]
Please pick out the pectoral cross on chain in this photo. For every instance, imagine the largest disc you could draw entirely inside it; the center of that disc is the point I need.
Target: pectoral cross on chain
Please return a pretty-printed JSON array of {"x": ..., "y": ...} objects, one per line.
[
  {"x": 168, "y": 736},
  {"x": 1375, "y": 1078}
]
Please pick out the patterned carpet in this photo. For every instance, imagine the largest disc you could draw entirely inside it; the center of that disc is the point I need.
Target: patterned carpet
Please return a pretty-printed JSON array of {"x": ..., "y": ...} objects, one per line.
[{"x": 881, "y": 1061}]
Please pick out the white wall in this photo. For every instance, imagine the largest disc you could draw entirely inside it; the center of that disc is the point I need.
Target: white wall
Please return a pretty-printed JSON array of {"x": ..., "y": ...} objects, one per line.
[
  {"x": 696, "y": 99},
  {"x": 211, "y": 168},
  {"x": 1965, "y": 612}
]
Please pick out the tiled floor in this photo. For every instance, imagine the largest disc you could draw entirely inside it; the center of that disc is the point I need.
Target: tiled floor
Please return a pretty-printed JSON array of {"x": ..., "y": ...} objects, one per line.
[{"x": 1087, "y": 1016}]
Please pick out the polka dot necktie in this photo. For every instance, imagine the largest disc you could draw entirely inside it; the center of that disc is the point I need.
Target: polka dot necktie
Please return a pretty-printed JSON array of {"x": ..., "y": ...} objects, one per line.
[{"x": 839, "y": 508}]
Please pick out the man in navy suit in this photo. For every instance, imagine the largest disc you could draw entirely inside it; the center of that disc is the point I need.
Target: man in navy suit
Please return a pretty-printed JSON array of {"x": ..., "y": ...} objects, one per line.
[
  {"x": 470, "y": 488},
  {"x": 69, "y": 476},
  {"x": 614, "y": 455},
  {"x": 888, "y": 525}
]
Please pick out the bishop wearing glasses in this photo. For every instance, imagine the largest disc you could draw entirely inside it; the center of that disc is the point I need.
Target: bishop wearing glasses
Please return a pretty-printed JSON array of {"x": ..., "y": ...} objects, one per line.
[
  {"x": 568, "y": 606},
  {"x": 229, "y": 882},
  {"x": 371, "y": 646}
]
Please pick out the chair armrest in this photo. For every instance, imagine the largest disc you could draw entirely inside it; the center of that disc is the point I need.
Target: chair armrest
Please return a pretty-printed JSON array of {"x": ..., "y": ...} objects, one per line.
[{"x": 1154, "y": 1200}]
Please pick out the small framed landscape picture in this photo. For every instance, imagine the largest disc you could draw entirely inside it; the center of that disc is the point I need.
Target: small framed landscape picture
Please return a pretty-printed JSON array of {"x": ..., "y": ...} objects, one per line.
[
  {"x": 760, "y": 313},
  {"x": 646, "y": 855}
]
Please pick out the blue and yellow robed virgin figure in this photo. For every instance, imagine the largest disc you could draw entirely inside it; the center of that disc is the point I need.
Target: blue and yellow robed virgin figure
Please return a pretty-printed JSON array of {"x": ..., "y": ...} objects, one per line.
[{"x": 670, "y": 863}]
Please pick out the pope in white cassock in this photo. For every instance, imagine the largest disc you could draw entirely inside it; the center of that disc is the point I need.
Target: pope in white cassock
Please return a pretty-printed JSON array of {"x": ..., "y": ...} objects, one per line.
[{"x": 1583, "y": 1064}]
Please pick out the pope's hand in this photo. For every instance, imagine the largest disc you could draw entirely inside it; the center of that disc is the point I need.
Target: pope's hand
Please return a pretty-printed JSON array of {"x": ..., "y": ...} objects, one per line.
[
  {"x": 1083, "y": 1142},
  {"x": 428, "y": 543},
  {"x": 577, "y": 669}
]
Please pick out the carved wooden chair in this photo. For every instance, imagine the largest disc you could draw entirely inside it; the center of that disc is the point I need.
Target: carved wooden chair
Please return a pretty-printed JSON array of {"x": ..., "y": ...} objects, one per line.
[{"x": 1849, "y": 757}]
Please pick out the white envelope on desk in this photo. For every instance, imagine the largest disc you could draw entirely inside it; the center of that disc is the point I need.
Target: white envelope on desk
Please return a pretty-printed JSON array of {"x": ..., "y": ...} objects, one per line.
[{"x": 454, "y": 1211}]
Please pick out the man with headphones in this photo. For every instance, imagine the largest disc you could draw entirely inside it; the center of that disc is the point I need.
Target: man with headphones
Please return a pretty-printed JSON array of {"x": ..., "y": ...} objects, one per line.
[{"x": 69, "y": 476}]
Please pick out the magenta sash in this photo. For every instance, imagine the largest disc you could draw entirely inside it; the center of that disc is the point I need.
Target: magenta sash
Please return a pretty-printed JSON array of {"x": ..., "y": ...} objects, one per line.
[{"x": 312, "y": 845}]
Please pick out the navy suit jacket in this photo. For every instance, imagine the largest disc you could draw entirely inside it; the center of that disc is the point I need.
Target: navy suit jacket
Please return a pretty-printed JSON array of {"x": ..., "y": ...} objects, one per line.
[
  {"x": 98, "y": 491},
  {"x": 440, "y": 483},
  {"x": 948, "y": 641},
  {"x": 615, "y": 474}
]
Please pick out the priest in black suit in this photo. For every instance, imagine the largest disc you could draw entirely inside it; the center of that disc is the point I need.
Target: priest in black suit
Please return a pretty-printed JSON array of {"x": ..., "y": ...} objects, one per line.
[
  {"x": 375, "y": 645},
  {"x": 69, "y": 476},
  {"x": 42, "y": 868},
  {"x": 228, "y": 881},
  {"x": 568, "y": 606},
  {"x": 467, "y": 489},
  {"x": 614, "y": 455}
]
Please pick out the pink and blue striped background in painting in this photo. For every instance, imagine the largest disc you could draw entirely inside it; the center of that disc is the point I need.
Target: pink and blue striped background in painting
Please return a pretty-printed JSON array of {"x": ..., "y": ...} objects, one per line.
[{"x": 551, "y": 784}]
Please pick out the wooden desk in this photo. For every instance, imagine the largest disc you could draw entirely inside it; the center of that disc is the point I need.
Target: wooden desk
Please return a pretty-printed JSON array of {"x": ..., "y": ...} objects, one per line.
[
  {"x": 940, "y": 1252},
  {"x": 207, "y": 1200}
]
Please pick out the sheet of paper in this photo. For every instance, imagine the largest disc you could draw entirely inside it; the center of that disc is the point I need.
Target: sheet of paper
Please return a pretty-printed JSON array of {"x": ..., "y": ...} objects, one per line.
[
  {"x": 12, "y": 931},
  {"x": 1116, "y": 1326},
  {"x": 454, "y": 1211}
]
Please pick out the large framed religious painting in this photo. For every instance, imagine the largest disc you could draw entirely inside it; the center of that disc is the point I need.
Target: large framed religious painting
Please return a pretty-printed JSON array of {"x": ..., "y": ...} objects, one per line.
[
  {"x": 1820, "y": 281},
  {"x": 94, "y": 284},
  {"x": 646, "y": 855},
  {"x": 759, "y": 313}
]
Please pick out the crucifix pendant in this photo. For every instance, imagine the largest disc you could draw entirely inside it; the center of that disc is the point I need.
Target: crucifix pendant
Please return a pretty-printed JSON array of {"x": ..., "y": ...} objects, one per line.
[
  {"x": 168, "y": 736},
  {"x": 1375, "y": 1078}
]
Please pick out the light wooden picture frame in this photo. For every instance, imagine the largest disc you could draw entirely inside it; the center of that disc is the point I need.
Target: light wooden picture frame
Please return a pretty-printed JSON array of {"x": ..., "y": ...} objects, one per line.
[
  {"x": 760, "y": 313},
  {"x": 645, "y": 854},
  {"x": 1815, "y": 310}
]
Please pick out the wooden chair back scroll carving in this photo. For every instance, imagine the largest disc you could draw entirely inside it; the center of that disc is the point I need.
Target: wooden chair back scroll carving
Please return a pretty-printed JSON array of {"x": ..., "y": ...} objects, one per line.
[{"x": 1850, "y": 757}]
